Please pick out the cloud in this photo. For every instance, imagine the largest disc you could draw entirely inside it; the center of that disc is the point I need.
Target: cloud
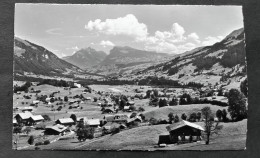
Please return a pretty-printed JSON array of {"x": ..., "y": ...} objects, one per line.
[
  {"x": 211, "y": 40},
  {"x": 127, "y": 25},
  {"x": 193, "y": 36},
  {"x": 54, "y": 31},
  {"x": 106, "y": 43}
]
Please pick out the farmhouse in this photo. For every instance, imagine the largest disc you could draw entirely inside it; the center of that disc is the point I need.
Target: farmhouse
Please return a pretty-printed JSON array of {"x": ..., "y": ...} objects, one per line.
[
  {"x": 184, "y": 132},
  {"x": 35, "y": 119},
  {"x": 55, "y": 130},
  {"x": 65, "y": 121},
  {"x": 93, "y": 122},
  {"x": 23, "y": 117},
  {"x": 30, "y": 109}
]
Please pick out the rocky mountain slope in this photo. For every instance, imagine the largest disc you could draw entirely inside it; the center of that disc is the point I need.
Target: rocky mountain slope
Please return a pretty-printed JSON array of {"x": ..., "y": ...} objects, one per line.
[
  {"x": 86, "y": 57},
  {"x": 127, "y": 59},
  {"x": 222, "y": 63}
]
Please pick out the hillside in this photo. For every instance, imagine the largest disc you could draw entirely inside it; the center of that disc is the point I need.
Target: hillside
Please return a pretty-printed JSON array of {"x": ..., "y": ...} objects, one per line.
[
  {"x": 222, "y": 63},
  {"x": 32, "y": 58},
  {"x": 86, "y": 57}
]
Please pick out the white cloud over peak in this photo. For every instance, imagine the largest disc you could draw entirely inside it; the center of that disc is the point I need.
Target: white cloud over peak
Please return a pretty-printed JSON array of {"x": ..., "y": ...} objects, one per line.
[
  {"x": 127, "y": 25},
  {"x": 106, "y": 43}
]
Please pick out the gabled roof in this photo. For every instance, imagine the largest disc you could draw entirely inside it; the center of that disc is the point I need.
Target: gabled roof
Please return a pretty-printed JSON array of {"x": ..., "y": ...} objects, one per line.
[
  {"x": 66, "y": 120},
  {"x": 93, "y": 122},
  {"x": 134, "y": 119},
  {"x": 25, "y": 115},
  {"x": 37, "y": 117},
  {"x": 183, "y": 123},
  {"x": 59, "y": 128}
]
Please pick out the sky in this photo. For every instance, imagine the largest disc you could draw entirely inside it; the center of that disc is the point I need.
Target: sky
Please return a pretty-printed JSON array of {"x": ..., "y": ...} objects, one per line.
[{"x": 64, "y": 29}]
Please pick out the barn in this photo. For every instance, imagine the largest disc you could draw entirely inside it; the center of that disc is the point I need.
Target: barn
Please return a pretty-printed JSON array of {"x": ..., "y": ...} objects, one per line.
[
  {"x": 55, "y": 130},
  {"x": 23, "y": 117},
  {"x": 35, "y": 119},
  {"x": 65, "y": 121},
  {"x": 184, "y": 132}
]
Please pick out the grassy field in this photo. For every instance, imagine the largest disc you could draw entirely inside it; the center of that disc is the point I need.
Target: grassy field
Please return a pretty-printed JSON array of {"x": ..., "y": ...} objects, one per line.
[{"x": 162, "y": 113}]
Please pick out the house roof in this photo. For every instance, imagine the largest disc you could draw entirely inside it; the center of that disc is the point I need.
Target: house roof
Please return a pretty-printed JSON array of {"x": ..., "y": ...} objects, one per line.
[
  {"x": 66, "y": 120},
  {"x": 59, "y": 128},
  {"x": 93, "y": 122},
  {"x": 134, "y": 118},
  {"x": 182, "y": 124},
  {"x": 110, "y": 125},
  {"x": 25, "y": 115},
  {"x": 126, "y": 107},
  {"x": 131, "y": 102},
  {"x": 37, "y": 117}
]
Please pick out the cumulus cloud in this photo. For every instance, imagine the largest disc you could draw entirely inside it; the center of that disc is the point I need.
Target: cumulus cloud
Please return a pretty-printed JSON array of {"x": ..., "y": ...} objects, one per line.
[
  {"x": 211, "y": 40},
  {"x": 106, "y": 43},
  {"x": 193, "y": 36},
  {"x": 127, "y": 25}
]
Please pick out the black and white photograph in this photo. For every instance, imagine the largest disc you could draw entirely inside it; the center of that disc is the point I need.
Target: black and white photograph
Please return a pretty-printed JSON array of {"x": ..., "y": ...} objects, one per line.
[{"x": 129, "y": 77}]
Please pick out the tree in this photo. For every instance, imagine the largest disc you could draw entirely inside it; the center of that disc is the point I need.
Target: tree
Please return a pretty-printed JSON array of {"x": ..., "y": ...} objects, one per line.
[
  {"x": 155, "y": 93},
  {"x": 30, "y": 140},
  {"x": 193, "y": 117},
  {"x": 198, "y": 116},
  {"x": 66, "y": 98},
  {"x": 173, "y": 102},
  {"x": 210, "y": 126},
  {"x": 219, "y": 114},
  {"x": 224, "y": 115},
  {"x": 171, "y": 117},
  {"x": 142, "y": 116},
  {"x": 141, "y": 109},
  {"x": 176, "y": 119},
  {"x": 17, "y": 129},
  {"x": 95, "y": 99},
  {"x": 148, "y": 92},
  {"x": 134, "y": 114},
  {"x": 237, "y": 105},
  {"x": 85, "y": 133},
  {"x": 73, "y": 117},
  {"x": 244, "y": 87},
  {"x": 27, "y": 130},
  {"x": 183, "y": 116}
]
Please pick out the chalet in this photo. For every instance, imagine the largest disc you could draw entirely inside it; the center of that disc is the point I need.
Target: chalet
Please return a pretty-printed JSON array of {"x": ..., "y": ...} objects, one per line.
[
  {"x": 108, "y": 110},
  {"x": 30, "y": 109},
  {"x": 121, "y": 118},
  {"x": 88, "y": 98},
  {"x": 65, "y": 121},
  {"x": 130, "y": 103},
  {"x": 34, "y": 119},
  {"x": 111, "y": 125},
  {"x": 55, "y": 130},
  {"x": 93, "y": 122},
  {"x": 134, "y": 119},
  {"x": 184, "y": 132},
  {"x": 36, "y": 102},
  {"x": 23, "y": 117}
]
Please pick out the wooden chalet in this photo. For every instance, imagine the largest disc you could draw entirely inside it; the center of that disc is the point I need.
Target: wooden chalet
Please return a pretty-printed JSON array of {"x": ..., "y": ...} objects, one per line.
[
  {"x": 184, "y": 132},
  {"x": 55, "y": 130},
  {"x": 65, "y": 121},
  {"x": 23, "y": 117},
  {"x": 33, "y": 120}
]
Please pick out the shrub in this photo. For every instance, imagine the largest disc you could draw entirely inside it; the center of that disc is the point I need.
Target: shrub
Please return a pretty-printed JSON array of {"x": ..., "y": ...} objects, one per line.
[
  {"x": 30, "y": 140},
  {"x": 153, "y": 121},
  {"x": 141, "y": 109},
  {"x": 46, "y": 117},
  {"x": 183, "y": 116},
  {"x": 37, "y": 148},
  {"x": 46, "y": 142},
  {"x": 38, "y": 143},
  {"x": 133, "y": 115}
]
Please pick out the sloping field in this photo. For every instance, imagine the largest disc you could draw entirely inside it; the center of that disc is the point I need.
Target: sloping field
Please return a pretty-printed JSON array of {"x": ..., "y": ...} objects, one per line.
[
  {"x": 140, "y": 138},
  {"x": 162, "y": 113}
]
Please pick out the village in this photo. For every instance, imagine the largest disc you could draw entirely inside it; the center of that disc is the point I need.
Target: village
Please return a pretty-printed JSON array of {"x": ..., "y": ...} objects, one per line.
[{"x": 77, "y": 117}]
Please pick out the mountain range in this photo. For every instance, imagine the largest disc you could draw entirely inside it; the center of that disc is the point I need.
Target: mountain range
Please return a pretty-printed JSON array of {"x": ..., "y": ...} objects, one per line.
[
  {"x": 86, "y": 57},
  {"x": 221, "y": 63}
]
